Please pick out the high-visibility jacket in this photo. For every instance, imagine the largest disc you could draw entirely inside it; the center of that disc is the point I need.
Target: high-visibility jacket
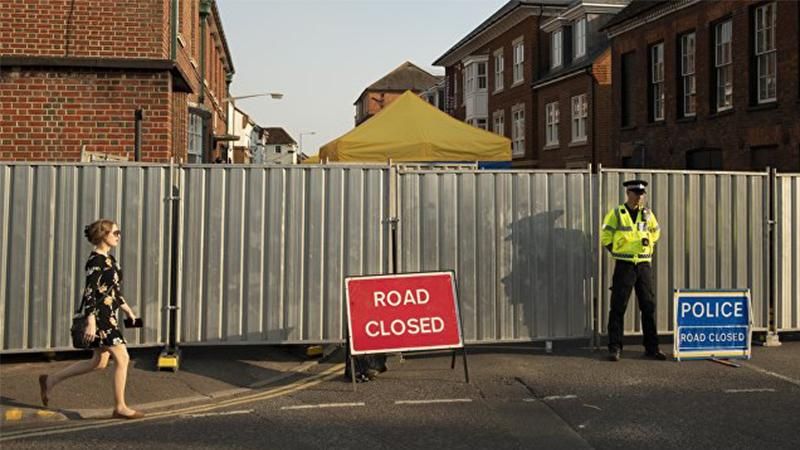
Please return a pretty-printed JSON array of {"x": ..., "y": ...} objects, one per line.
[{"x": 626, "y": 233}]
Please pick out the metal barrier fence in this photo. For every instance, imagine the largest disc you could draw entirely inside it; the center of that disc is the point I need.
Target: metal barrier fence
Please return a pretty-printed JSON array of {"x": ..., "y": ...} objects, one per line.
[
  {"x": 263, "y": 250},
  {"x": 43, "y": 209},
  {"x": 714, "y": 235},
  {"x": 787, "y": 252},
  {"x": 519, "y": 242}
]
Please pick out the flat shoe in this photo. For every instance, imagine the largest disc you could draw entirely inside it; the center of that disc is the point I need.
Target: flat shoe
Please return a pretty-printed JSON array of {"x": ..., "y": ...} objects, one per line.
[
  {"x": 135, "y": 415},
  {"x": 43, "y": 389}
]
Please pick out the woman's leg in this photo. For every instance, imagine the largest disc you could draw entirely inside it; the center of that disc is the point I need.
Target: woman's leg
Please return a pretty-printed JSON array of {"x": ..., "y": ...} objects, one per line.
[
  {"x": 98, "y": 360},
  {"x": 121, "y": 359}
]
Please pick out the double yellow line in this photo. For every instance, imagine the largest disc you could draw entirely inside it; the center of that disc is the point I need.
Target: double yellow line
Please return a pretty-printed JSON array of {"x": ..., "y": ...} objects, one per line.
[{"x": 299, "y": 385}]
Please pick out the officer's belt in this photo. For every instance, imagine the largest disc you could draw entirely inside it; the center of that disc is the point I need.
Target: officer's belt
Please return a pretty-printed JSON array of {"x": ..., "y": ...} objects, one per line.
[{"x": 624, "y": 255}]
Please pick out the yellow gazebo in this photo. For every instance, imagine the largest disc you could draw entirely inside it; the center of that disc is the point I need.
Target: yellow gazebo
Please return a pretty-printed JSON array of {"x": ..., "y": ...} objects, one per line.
[{"x": 412, "y": 130}]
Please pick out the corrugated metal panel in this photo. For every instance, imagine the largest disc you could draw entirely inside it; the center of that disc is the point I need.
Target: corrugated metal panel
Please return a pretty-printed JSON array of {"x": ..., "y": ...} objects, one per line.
[
  {"x": 787, "y": 308},
  {"x": 519, "y": 242},
  {"x": 713, "y": 236},
  {"x": 43, "y": 209},
  {"x": 266, "y": 249}
]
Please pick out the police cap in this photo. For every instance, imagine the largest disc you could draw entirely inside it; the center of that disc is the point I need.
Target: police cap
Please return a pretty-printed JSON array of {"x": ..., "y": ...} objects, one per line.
[{"x": 635, "y": 185}]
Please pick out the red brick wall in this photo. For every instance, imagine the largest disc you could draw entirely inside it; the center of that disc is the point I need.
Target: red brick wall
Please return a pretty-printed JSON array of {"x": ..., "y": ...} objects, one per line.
[
  {"x": 734, "y": 132},
  {"x": 85, "y": 28},
  {"x": 603, "y": 109},
  {"x": 48, "y": 114},
  {"x": 566, "y": 153},
  {"x": 510, "y": 96}
]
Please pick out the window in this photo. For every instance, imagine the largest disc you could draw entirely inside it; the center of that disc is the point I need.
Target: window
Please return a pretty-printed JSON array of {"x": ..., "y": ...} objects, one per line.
[
  {"x": 626, "y": 89},
  {"x": 518, "y": 130},
  {"x": 499, "y": 123},
  {"x": 688, "y": 85},
  {"x": 704, "y": 159},
  {"x": 657, "y": 81},
  {"x": 765, "y": 52},
  {"x": 277, "y": 149},
  {"x": 469, "y": 79},
  {"x": 481, "y": 123},
  {"x": 556, "y": 48},
  {"x": 723, "y": 66},
  {"x": 195, "y": 139},
  {"x": 551, "y": 124},
  {"x": 519, "y": 59},
  {"x": 579, "y": 115},
  {"x": 498, "y": 70},
  {"x": 481, "y": 76},
  {"x": 763, "y": 156},
  {"x": 579, "y": 38}
]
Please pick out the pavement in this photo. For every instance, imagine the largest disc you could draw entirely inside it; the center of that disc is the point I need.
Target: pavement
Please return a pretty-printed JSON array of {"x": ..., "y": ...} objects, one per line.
[
  {"x": 206, "y": 374},
  {"x": 519, "y": 396}
]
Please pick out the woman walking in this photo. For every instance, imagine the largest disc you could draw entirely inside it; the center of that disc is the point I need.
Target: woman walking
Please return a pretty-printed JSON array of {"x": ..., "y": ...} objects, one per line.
[{"x": 101, "y": 300}]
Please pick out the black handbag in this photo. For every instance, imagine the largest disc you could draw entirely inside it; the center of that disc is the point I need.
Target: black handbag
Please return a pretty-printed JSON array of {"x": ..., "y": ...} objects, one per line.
[{"x": 78, "y": 329}]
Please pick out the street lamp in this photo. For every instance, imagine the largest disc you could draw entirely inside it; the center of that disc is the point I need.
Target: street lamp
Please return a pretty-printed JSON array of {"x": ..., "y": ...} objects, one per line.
[
  {"x": 275, "y": 95},
  {"x": 301, "y": 138}
]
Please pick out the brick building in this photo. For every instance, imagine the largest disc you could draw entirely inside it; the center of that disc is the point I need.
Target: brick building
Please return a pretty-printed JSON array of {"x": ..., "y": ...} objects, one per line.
[
  {"x": 378, "y": 95},
  {"x": 490, "y": 71},
  {"x": 573, "y": 96},
  {"x": 706, "y": 85},
  {"x": 73, "y": 75}
]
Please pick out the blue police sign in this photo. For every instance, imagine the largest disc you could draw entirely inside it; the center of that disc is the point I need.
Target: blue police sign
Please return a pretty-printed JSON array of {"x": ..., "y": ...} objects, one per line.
[{"x": 712, "y": 324}]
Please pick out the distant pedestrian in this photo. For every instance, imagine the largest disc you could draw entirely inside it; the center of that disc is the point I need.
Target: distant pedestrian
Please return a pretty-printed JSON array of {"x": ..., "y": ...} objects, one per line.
[
  {"x": 630, "y": 232},
  {"x": 101, "y": 300}
]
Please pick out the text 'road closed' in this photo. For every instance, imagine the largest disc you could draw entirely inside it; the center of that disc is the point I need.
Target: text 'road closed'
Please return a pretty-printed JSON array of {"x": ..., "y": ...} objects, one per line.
[{"x": 402, "y": 312}]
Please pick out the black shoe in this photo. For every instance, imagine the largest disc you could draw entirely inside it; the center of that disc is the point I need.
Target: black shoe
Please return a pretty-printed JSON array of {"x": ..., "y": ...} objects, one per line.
[
  {"x": 656, "y": 354},
  {"x": 614, "y": 355}
]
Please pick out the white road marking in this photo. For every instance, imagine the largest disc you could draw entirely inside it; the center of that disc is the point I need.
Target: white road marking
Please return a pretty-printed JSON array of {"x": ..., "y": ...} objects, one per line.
[
  {"x": 592, "y": 406},
  {"x": 324, "y": 405},
  {"x": 740, "y": 391},
  {"x": 225, "y": 413},
  {"x": 439, "y": 400},
  {"x": 770, "y": 373},
  {"x": 559, "y": 397}
]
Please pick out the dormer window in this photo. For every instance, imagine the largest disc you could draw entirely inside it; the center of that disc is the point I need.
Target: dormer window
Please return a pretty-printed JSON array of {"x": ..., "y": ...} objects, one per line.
[
  {"x": 556, "y": 48},
  {"x": 579, "y": 38}
]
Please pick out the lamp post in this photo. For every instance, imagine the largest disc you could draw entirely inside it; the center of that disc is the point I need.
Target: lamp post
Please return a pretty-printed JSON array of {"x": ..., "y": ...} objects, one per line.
[
  {"x": 302, "y": 133},
  {"x": 232, "y": 106}
]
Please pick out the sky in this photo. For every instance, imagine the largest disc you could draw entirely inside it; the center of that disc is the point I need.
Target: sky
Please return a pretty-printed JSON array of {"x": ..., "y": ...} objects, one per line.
[{"x": 321, "y": 54}]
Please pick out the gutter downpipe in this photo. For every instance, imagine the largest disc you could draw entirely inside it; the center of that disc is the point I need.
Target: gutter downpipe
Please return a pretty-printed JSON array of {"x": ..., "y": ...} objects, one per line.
[
  {"x": 173, "y": 48},
  {"x": 205, "y": 10}
]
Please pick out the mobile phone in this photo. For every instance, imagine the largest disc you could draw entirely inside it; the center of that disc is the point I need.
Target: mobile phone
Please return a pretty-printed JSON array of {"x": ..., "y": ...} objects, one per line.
[{"x": 133, "y": 323}]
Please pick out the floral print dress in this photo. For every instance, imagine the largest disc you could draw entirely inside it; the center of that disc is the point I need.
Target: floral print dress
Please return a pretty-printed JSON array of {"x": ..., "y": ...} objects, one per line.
[{"x": 102, "y": 298}]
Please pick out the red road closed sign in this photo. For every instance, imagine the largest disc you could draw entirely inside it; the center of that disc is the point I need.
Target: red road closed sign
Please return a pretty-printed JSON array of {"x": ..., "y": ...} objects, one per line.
[{"x": 403, "y": 312}]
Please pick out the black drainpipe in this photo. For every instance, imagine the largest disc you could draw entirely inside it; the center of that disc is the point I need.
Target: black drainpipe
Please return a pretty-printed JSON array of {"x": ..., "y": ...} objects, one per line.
[
  {"x": 138, "y": 115},
  {"x": 205, "y": 10}
]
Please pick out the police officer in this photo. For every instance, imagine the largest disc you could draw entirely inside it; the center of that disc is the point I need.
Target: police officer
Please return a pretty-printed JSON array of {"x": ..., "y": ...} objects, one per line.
[{"x": 630, "y": 232}]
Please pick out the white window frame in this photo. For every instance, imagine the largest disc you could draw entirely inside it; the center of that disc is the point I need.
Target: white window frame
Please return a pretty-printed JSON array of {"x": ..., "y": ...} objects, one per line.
[
  {"x": 481, "y": 79},
  {"x": 556, "y": 48},
  {"x": 579, "y": 38},
  {"x": 657, "y": 80},
  {"x": 194, "y": 132},
  {"x": 551, "y": 124},
  {"x": 499, "y": 63},
  {"x": 482, "y": 123},
  {"x": 723, "y": 64},
  {"x": 499, "y": 122},
  {"x": 518, "y": 130},
  {"x": 688, "y": 79},
  {"x": 765, "y": 52},
  {"x": 579, "y": 118},
  {"x": 519, "y": 61}
]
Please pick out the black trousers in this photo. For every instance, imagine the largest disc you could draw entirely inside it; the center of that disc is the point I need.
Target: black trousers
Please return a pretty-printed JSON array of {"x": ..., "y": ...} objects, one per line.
[{"x": 627, "y": 276}]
